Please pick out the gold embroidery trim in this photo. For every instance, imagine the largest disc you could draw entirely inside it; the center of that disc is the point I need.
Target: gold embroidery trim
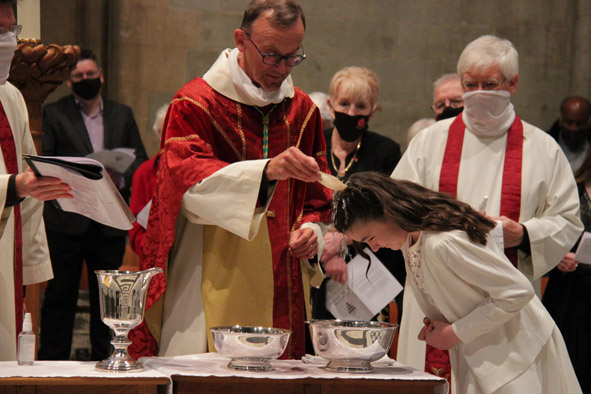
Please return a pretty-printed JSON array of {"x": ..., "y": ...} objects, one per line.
[
  {"x": 304, "y": 125},
  {"x": 239, "y": 126},
  {"x": 213, "y": 122}
]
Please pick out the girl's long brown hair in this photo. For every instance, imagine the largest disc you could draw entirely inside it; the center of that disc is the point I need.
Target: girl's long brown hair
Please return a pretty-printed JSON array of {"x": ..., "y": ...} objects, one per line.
[{"x": 371, "y": 196}]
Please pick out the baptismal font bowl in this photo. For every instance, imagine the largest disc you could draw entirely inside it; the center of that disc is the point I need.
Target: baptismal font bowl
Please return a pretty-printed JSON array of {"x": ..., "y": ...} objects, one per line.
[
  {"x": 351, "y": 345},
  {"x": 250, "y": 348}
]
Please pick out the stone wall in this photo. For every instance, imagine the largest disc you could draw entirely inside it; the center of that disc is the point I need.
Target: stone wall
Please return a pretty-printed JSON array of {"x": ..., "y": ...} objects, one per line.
[{"x": 149, "y": 48}]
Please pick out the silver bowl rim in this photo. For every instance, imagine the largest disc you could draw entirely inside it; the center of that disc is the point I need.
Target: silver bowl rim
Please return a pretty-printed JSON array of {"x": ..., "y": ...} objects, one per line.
[
  {"x": 228, "y": 330},
  {"x": 335, "y": 323},
  {"x": 118, "y": 272}
]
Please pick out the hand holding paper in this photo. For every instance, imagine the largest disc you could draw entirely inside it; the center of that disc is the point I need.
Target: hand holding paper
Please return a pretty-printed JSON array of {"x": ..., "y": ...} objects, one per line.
[
  {"x": 42, "y": 188},
  {"x": 364, "y": 295},
  {"x": 95, "y": 196}
]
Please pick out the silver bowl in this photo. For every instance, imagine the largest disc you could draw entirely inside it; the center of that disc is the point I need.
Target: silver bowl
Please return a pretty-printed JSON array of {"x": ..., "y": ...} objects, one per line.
[
  {"x": 351, "y": 345},
  {"x": 250, "y": 348}
]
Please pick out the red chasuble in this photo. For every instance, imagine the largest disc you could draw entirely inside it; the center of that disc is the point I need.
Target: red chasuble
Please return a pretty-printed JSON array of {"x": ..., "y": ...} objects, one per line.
[
  {"x": 436, "y": 360},
  {"x": 204, "y": 132}
]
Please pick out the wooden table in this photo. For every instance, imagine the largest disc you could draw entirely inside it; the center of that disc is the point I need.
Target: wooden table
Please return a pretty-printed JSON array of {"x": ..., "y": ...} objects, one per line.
[
  {"x": 83, "y": 385},
  {"x": 237, "y": 385}
]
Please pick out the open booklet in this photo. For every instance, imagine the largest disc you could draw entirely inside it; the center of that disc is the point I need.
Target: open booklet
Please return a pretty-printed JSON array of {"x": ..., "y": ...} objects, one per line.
[
  {"x": 95, "y": 195},
  {"x": 118, "y": 159},
  {"x": 365, "y": 293}
]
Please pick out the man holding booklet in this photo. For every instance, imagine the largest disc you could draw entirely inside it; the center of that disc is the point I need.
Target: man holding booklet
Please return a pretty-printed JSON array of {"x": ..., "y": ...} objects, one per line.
[{"x": 24, "y": 258}]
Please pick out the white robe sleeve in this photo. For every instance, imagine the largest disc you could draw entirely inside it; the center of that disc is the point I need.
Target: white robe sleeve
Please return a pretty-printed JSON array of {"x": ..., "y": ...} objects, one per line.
[
  {"x": 228, "y": 199},
  {"x": 36, "y": 262},
  {"x": 486, "y": 270},
  {"x": 556, "y": 225}
]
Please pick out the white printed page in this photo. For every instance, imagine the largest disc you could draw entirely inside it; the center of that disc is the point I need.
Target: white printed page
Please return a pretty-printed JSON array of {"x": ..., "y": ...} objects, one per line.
[
  {"x": 92, "y": 198},
  {"x": 583, "y": 254},
  {"x": 344, "y": 304},
  {"x": 143, "y": 215},
  {"x": 374, "y": 289}
]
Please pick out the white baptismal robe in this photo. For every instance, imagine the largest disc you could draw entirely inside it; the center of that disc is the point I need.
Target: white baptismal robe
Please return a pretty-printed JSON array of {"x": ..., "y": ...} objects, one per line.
[
  {"x": 549, "y": 202},
  {"x": 36, "y": 263},
  {"x": 502, "y": 325}
]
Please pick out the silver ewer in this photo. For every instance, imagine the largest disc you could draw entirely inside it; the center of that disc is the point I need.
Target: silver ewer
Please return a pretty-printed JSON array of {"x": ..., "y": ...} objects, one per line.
[{"x": 122, "y": 297}]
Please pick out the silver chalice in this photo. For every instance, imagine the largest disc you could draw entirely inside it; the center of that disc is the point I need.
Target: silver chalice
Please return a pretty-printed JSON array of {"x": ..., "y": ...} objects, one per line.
[{"x": 122, "y": 300}]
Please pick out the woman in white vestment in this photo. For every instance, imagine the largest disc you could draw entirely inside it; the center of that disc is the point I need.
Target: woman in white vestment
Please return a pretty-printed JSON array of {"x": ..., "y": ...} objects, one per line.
[{"x": 476, "y": 303}]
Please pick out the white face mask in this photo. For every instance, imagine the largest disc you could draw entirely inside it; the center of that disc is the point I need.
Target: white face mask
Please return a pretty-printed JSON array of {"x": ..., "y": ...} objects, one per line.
[
  {"x": 488, "y": 113},
  {"x": 7, "y": 48}
]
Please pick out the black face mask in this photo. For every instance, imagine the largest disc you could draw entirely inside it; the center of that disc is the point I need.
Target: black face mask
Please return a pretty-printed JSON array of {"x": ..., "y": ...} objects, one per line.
[
  {"x": 449, "y": 112},
  {"x": 87, "y": 88},
  {"x": 350, "y": 128}
]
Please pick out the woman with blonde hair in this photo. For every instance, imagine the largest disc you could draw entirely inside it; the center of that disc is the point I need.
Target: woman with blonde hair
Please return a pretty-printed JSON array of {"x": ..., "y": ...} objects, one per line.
[{"x": 351, "y": 147}]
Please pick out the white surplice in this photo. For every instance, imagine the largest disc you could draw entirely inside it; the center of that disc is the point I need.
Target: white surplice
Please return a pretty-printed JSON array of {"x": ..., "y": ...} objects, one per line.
[
  {"x": 36, "y": 263},
  {"x": 502, "y": 325},
  {"x": 549, "y": 202}
]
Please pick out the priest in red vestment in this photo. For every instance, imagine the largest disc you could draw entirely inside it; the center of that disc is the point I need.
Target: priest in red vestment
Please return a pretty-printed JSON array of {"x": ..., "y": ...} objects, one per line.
[{"x": 233, "y": 218}]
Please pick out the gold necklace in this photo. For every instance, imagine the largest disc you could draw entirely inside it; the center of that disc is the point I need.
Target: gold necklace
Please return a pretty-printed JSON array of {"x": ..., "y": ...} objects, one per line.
[{"x": 353, "y": 159}]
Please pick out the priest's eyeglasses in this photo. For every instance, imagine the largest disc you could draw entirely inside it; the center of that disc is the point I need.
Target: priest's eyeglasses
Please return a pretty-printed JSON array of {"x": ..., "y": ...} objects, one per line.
[
  {"x": 15, "y": 29},
  {"x": 272, "y": 59}
]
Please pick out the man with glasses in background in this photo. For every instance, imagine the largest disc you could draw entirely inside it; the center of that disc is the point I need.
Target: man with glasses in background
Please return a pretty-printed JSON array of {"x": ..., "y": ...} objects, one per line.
[
  {"x": 24, "y": 258},
  {"x": 513, "y": 172},
  {"x": 447, "y": 96},
  {"x": 78, "y": 125},
  {"x": 236, "y": 196}
]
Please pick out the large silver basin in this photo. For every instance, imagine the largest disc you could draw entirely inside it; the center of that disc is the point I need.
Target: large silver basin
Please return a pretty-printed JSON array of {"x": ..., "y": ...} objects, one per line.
[
  {"x": 250, "y": 348},
  {"x": 351, "y": 345}
]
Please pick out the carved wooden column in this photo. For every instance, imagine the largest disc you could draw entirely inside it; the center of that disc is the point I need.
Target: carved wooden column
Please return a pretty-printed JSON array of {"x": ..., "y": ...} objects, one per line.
[{"x": 37, "y": 70}]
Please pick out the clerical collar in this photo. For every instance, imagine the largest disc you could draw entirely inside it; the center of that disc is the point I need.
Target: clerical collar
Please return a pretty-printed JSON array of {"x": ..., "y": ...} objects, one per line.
[{"x": 227, "y": 78}]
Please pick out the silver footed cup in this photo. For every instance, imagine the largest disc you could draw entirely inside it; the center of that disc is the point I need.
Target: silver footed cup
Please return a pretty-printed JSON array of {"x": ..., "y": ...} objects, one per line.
[{"x": 122, "y": 296}]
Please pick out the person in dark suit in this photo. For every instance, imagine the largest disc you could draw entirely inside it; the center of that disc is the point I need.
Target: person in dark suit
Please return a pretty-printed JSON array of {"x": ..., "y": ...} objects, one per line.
[{"x": 78, "y": 125}]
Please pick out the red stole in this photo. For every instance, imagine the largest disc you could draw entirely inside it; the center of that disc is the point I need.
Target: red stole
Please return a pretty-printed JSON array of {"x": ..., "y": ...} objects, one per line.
[
  {"x": 9, "y": 154},
  {"x": 511, "y": 187}
]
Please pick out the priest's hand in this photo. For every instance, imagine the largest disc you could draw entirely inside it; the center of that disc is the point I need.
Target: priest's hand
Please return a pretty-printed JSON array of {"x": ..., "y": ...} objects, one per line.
[
  {"x": 512, "y": 231},
  {"x": 303, "y": 243},
  {"x": 438, "y": 334},
  {"x": 42, "y": 188},
  {"x": 293, "y": 163}
]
